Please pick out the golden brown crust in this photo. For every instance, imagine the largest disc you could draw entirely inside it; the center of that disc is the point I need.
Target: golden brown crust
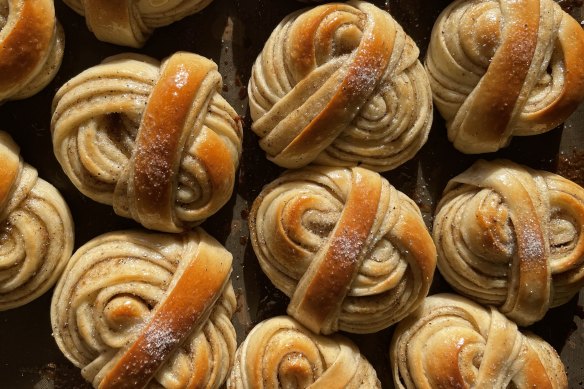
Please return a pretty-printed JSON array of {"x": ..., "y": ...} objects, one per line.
[
  {"x": 19, "y": 52},
  {"x": 501, "y": 68},
  {"x": 451, "y": 342},
  {"x": 163, "y": 133},
  {"x": 27, "y": 45},
  {"x": 10, "y": 168},
  {"x": 511, "y": 236},
  {"x": 321, "y": 291},
  {"x": 351, "y": 251}
]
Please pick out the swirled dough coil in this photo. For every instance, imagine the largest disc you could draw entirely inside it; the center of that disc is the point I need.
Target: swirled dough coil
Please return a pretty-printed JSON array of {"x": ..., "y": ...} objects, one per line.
[
  {"x": 501, "y": 68},
  {"x": 159, "y": 143},
  {"x": 36, "y": 230},
  {"x": 351, "y": 251},
  {"x": 137, "y": 309},
  {"x": 340, "y": 85},
  {"x": 512, "y": 237},
  {"x": 281, "y": 353},
  {"x": 452, "y": 342}
]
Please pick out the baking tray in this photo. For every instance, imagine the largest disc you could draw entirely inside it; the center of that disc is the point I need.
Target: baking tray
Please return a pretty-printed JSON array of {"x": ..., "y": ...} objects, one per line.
[{"x": 232, "y": 33}]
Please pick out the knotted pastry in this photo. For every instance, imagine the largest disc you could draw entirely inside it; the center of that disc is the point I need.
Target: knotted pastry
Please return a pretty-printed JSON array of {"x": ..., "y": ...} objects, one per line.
[
  {"x": 281, "y": 353},
  {"x": 351, "y": 252},
  {"x": 340, "y": 85},
  {"x": 512, "y": 237},
  {"x": 130, "y": 22},
  {"x": 31, "y": 47},
  {"x": 159, "y": 143},
  {"x": 137, "y": 309},
  {"x": 36, "y": 230},
  {"x": 451, "y": 342},
  {"x": 500, "y": 68}
]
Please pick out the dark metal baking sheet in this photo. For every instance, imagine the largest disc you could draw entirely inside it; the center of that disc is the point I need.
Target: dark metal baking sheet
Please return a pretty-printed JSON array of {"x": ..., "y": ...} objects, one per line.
[{"x": 232, "y": 32}]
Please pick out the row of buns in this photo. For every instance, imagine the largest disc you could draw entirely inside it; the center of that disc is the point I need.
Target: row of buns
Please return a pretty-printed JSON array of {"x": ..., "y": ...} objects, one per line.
[
  {"x": 326, "y": 85},
  {"x": 336, "y": 86},
  {"x": 350, "y": 251}
]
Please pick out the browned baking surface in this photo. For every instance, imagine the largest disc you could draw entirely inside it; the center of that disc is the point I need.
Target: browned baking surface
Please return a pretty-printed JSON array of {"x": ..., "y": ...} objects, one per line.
[{"x": 232, "y": 33}]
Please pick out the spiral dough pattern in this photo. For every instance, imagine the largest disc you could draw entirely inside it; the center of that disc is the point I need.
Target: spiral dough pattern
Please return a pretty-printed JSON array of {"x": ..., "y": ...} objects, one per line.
[
  {"x": 451, "y": 342},
  {"x": 512, "y": 237},
  {"x": 281, "y": 353},
  {"x": 159, "y": 143},
  {"x": 340, "y": 85},
  {"x": 31, "y": 47},
  {"x": 500, "y": 68},
  {"x": 130, "y": 22},
  {"x": 138, "y": 309},
  {"x": 351, "y": 251},
  {"x": 36, "y": 230}
]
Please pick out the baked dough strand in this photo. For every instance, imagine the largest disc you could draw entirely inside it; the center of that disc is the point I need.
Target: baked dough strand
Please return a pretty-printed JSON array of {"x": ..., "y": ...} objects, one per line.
[
  {"x": 138, "y": 309},
  {"x": 160, "y": 144},
  {"x": 451, "y": 342},
  {"x": 350, "y": 251},
  {"x": 281, "y": 353},
  {"x": 31, "y": 47},
  {"x": 36, "y": 230},
  {"x": 340, "y": 85},
  {"x": 500, "y": 68},
  {"x": 130, "y": 22},
  {"x": 512, "y": 237}
]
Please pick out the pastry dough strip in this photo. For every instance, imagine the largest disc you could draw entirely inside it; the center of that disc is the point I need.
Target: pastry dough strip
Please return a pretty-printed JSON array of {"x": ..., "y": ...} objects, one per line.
[
  {"x": 163, "y": 133},
  {"x": 487, "y": 119},
  {"x": 366, "y": 70},
  {"x": 108, "y": 20},
  {"x": 530, "y": 274},
  {"x": 325, "y": 284}
]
